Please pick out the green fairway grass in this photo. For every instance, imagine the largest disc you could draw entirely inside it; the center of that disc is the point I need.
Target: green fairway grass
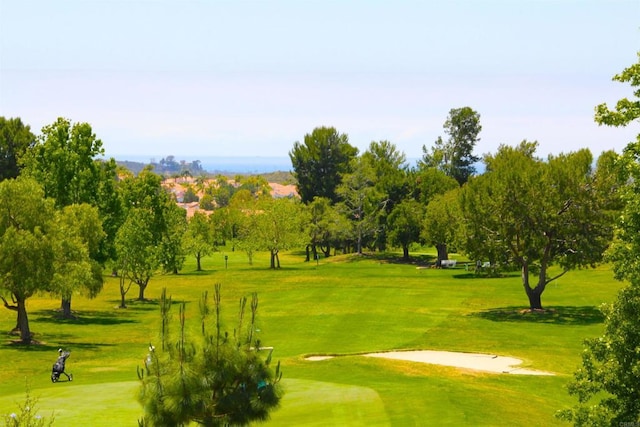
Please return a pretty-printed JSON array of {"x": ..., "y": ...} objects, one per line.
[{"x": 344, "y": 305}]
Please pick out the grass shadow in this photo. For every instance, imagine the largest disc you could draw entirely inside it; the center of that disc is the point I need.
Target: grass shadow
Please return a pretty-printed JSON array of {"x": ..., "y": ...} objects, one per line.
[
  {"x": 13, "y": 342},
  {"x": 75, "y": 346},
  {"x": 472, "y": 275},
  {"x": 82, "y": 318},
  {"x": 137, "y": 305},
  {"x": 558, "y": 315},
  {"x": 60, "y": 340},
  {"x": 421, "y": 260},
  {"x": 303, "y": 253},
  {"x": 203, "y": 272}
]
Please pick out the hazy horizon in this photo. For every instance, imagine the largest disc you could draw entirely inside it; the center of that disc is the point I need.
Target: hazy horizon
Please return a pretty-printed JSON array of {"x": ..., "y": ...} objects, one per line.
[
  {"x": 236, "y": 164},
  {"x": 226, "y": 77}
]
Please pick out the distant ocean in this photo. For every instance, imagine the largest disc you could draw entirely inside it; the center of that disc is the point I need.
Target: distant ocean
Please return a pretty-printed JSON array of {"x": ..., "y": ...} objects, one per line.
[{"x": 248, "y": 165}]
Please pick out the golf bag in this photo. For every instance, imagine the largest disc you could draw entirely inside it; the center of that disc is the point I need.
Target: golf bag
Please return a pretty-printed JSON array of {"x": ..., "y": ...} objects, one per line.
[{"x": 58, "y": 367}]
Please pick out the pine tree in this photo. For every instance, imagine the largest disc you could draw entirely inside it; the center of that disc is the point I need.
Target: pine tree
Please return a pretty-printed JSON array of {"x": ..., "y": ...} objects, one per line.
[{"x": 211, "y": 377}]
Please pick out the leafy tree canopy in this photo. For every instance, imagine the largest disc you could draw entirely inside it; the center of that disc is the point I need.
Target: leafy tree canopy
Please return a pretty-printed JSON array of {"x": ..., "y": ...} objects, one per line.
[
  {"x": 625, "y": 110},
  {"x": 64, "y": 162},
  {"x": 455, "y": 155},
  {"x": 606, "y": 384},
  {"x": 405, "y": 221},
  {"x": 15, "y": 140},
  {"x": 38, "y": 252},
  {"x": 534, "y": 214},
  {"x": 442, "y": 222},
  {"x": 320, "y": 161}
]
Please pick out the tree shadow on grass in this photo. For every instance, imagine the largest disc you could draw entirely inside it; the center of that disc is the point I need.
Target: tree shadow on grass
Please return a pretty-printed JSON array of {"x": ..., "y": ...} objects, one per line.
[
  {"x": 392, "y": 258},
  {"x": 145, "y": 305},
  {"x": 203, "y": 272},
  {"x": 52, "y": 344},
  {"x": 472, "y": 275},
  {"x": 39, "y": 343},
  {"x": 85, "y": 317},
  {"x": 558, "y": 315}
]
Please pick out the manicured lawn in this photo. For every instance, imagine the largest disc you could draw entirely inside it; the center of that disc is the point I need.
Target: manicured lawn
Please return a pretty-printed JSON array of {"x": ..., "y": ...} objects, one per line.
[{"x": 345, "y": 306}]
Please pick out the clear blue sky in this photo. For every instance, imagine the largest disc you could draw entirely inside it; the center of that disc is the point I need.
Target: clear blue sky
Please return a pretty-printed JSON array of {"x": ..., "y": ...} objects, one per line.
[{"x": 240, "y": 78}]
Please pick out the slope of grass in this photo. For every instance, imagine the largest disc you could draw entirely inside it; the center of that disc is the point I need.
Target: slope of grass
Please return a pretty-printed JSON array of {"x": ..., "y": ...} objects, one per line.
[{"x": 344, "y": 305}]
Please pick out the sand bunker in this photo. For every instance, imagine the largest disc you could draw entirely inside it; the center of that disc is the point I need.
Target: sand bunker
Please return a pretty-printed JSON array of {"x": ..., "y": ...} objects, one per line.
[
  {"x": 317, "y": 358},
  {"x": 475, "y": 361}
]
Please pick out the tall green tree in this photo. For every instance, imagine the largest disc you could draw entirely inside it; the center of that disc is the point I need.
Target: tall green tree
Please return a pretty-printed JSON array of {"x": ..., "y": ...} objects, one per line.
[
  {"x": 66, "y": 162},
  {"x": 167, "y": 222},
  {"x": 15, "y": 140},
  {"x": 208, "y": 375},
  {"x": 239, "y": 222},
  {"x": 138, "y": 256},
  {"x": 325, "y": 227},
  {"x": 426, "y": 182},
  {"x": 405, "y": 221},
  {"x": 606, "y": 385},
  {"x": 441, "y": 223},
  {"x": 429, "y": 184},
  {"x": 26, "y": 250},
  {"x": 390, "y": 169},
  {"x": 172, "y": 251},
  {"x": 455, "y": 155},
  {"x": 80, "y": 273},
  {"x": 199, "y": 238},
  {"x": 109, "y": 204},
  {"x": 37, "y": 252},
  {"x": 535, "y": 214},
  {"x": 361, "y": 201},
  {"x": 320, "y": 161},
  {"x": 626, "y": 244},
  {"x": 279, "y": 226}
]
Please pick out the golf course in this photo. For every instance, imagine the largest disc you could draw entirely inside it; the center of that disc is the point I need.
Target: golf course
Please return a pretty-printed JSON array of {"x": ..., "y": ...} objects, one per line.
[{"x": 343, "y": 306}]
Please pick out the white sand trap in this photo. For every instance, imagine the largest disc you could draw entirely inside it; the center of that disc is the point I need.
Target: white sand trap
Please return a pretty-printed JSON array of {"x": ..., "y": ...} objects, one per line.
[
  {"x": 317, "y": 358},
  {"x": 476, "y": 361}
]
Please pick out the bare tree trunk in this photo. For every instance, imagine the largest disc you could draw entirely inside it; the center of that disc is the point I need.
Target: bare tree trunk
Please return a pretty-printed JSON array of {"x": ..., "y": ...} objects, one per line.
[
  {"x": 443, "y": 253},
  {"x": 275, "y": 259},
  {"x": 198, "y": 256},
  {"x": 65, "y": 308},
  {"x": 405, "y": 252},
  {"x": 123, "y": 291},
  {"x": 535, "y": 299},
  {"x": 141, "y": 291},
  {"x": 534, "y": 294},
  {"x": 326, "y": 250},
  {"x": 23, "y": 322}
]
